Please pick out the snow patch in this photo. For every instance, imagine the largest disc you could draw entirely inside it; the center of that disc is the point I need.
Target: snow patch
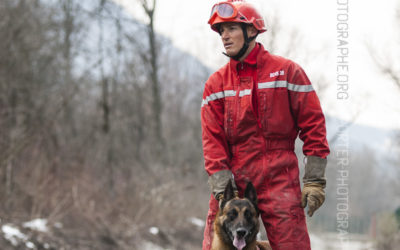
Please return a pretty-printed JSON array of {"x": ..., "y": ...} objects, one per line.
[
  {"x": 197, "y": 222},
  {"x": 327, "y": 241},
  {"x": 13, "y": 234},
  {"x": 150, "y": 246},
  {"x": 37, "y": 225},
  {"x": 154, "y": 230},
  {"x": 58, "y": 225},
  {"x": 29, "y": 244}
]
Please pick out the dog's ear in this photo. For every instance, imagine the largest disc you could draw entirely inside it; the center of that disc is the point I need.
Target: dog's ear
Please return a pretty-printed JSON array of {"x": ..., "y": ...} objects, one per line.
[
  {"x": 229, "y": 194},
  {"x": 251, "y": 194}
]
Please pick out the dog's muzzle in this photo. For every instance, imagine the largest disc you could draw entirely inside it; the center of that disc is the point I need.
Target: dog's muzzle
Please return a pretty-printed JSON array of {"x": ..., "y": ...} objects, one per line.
[
  {"x": 239, "y": 238},
  {"x": 241, "y": 233}
]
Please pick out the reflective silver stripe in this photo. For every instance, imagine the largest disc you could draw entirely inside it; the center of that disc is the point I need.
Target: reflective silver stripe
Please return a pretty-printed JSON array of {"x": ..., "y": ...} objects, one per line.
[
  {"x": 261, "y": 85},
  {"x": 212, "y": 97},
  {"x": 285, "y": 84},
  {"x": 215, "y": 96},
  {"x": 300, "y": 88},
  {"x": 218, "y": 95},
  {"x": 229, "y": 93},
  {"x": 244, "y": 92},
  {"x": 274, "y": 84}
]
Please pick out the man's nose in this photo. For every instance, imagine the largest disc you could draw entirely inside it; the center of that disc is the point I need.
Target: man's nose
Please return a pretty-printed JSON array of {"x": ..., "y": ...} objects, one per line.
[{"x": 224, "y": 35}]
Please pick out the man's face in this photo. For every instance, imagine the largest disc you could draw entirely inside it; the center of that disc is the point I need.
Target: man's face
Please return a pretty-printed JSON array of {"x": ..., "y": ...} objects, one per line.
[{"x": 232, "y": 37}]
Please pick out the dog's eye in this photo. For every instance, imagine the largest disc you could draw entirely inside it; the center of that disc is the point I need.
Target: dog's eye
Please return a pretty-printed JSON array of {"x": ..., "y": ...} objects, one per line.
[
  {"x": 248, "y": 214},
  {"x": 232, "y": 214}
]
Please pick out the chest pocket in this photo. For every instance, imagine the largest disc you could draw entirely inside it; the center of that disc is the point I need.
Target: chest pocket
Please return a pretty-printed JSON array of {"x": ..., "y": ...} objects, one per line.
[
  {"x": 246, "y": 117},
  {"x": 246, "y": 109},
  {"x": 275, "y": 112},
  {"x": 245, "y": 92}
]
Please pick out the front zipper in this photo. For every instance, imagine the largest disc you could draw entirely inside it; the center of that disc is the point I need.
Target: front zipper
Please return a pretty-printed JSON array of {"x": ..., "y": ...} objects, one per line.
[{"x": 263, "y": 109}]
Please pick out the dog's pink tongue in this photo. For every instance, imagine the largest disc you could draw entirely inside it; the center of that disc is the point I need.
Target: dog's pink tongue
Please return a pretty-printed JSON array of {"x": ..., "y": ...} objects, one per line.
[{"x": 239, "y": 243}]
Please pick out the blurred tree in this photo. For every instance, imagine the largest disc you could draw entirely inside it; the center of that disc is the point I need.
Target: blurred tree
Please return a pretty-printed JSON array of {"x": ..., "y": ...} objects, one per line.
[
  {"x": 26, "y": 70},
  {"x": 152, "y": 57},
  {"x": 397, "y": 215},
  {"x": 78, "y": 126},
  {"x": 388, "y": 63},
  {"x": 388, "y": 234}
]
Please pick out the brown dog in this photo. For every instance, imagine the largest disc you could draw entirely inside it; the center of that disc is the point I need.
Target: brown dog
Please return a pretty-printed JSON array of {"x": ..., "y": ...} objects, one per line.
[{"x": 236, "y": 224}]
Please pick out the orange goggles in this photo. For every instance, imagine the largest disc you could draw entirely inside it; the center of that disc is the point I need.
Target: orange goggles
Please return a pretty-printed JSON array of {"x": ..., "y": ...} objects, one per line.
[{"x": 224, "y": 10}]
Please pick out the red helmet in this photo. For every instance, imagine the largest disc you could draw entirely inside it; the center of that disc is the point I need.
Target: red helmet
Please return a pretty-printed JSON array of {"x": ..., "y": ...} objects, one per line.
[{"x": 236, "y": 11}]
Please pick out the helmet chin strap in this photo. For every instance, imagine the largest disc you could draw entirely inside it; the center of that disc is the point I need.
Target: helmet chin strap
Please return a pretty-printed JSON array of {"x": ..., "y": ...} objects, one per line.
[{"x": 245, "y": 46}]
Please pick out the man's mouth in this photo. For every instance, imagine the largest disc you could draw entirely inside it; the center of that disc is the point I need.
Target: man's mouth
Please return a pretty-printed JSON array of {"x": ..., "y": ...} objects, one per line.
[{"x": 228, "y": 45}]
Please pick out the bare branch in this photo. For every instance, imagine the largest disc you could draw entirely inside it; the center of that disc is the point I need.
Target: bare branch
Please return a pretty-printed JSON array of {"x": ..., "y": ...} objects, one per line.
[{"x": 385, "y": 66}]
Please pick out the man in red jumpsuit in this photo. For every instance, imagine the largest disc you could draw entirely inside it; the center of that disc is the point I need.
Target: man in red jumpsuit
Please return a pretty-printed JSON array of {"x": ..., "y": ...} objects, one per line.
[{"x": 252, "y": 111}]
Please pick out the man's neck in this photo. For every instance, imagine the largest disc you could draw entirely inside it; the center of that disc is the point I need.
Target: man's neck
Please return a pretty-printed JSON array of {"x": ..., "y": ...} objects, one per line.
[{"x": 249, "y": 49}]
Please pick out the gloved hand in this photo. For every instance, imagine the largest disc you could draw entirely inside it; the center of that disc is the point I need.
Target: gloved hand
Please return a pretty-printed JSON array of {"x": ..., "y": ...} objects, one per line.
[
  {"x": 314, "y": 181},
  {"x": 313, "y": 194},
  {"x": 218, "y": 182}
]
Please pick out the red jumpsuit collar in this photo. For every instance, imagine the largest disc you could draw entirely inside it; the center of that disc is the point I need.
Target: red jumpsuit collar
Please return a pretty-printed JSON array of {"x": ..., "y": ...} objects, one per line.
[{"x": 252, "y": 59}]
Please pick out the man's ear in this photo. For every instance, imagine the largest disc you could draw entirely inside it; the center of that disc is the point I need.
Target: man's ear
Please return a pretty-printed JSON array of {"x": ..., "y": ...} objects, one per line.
[{"x": 251, "y": 31}]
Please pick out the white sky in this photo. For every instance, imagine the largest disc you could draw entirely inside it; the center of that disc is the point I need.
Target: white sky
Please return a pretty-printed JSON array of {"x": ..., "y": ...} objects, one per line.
[{"x": 372, "y": 95}]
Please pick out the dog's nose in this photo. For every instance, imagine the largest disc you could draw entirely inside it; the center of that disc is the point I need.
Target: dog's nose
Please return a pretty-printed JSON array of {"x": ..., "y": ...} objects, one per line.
[{"x": 241, "y": 233}]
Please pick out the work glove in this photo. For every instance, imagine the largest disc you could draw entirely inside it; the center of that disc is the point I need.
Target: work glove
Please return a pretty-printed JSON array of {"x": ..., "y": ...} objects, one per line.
[
  {"x": 314, "y": 181},
  {"x": 218, "y": 182}
]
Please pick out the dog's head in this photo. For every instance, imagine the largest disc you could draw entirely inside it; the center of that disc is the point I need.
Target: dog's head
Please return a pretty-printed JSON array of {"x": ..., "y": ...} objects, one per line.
[{"x": 238, "y": 218}]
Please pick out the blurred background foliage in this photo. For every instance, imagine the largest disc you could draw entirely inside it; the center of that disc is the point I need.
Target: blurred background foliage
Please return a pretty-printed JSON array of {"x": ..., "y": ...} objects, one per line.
[{"x": 100, "y": 134}]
